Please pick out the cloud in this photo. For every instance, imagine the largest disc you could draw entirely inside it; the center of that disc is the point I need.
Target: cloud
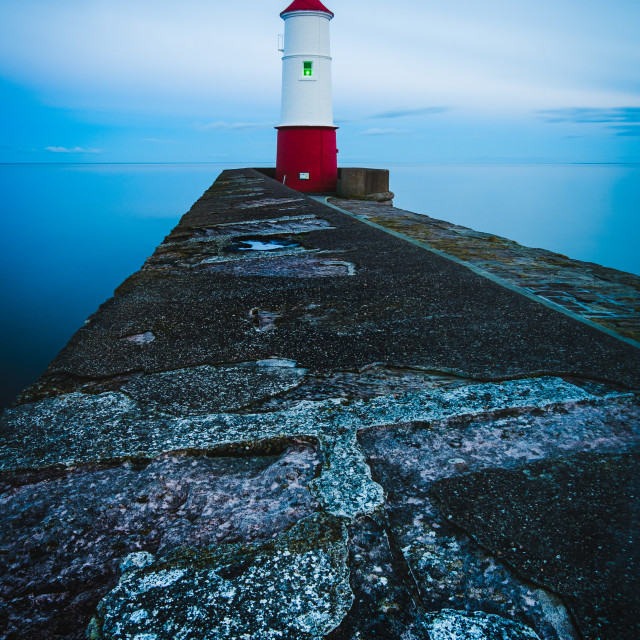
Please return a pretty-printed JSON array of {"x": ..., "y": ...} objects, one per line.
[
  {"x": 590, "y": 115},
  {"x": 624, "y": 121},
  {"x": 401, "y": 113},
  {"x": 385, "y": 132},
  {"x": 398, "y": 113},
  {"x": 233, "y": 126},
  {"x": 72, "y": 150},
  {"x": 142, "y": 54}
]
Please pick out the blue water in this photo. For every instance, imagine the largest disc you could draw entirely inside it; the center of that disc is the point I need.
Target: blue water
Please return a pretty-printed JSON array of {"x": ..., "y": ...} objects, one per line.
[
  {"x": 72, "y": 233},
  {"x": 587, "y": 212}
]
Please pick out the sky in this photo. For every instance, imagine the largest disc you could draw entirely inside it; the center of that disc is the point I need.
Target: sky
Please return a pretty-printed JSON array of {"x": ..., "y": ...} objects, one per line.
[{"x": 413, "y": 81}]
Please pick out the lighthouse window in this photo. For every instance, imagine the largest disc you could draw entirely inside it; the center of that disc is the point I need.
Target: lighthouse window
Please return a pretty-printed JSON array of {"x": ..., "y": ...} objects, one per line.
[{"x": 307, "y": 68}]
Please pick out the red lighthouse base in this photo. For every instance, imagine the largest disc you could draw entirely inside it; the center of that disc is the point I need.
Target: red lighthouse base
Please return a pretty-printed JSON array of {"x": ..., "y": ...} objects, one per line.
[{"x": 307, "y": 158}]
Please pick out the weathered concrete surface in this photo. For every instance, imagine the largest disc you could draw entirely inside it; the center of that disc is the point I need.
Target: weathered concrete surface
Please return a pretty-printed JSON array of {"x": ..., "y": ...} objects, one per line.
[
  {"x": 290, "y": 424},
  {"x": 402, "y": 306},
  {"x": 365, "y": 184},
  {"x": 556, "y": 521},
  {"x": 64, "y": 533},
  {"x": 605, "y": 296},
  {"x": 422, "y": 460}
]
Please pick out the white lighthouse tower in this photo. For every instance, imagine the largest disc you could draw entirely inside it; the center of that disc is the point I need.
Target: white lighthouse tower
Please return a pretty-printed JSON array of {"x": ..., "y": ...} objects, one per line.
[{"x": 307, "y": 156}]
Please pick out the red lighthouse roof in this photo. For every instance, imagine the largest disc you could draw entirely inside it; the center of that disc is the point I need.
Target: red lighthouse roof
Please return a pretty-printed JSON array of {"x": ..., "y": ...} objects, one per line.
[{"x": 307, "y": 5}]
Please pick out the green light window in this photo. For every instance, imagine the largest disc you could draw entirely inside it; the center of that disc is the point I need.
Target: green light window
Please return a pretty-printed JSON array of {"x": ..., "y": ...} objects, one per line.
[{"x": 307, "y": 68}]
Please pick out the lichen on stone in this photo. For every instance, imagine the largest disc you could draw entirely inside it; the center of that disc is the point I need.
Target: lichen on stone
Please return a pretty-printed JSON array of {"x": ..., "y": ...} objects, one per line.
[
  {"x": 345, "y": 487},
  {"x": 449, "y": 624},
  {"x": 79, "y": 428},
  {"x": 69, "y": 533},
  {"x": 136, "y": 560},
  {"x": 296, "y": 586},
  {"x": 210, "y": 389}
]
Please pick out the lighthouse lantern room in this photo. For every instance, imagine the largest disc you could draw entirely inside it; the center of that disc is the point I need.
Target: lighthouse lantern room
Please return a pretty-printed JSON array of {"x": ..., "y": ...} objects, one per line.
[{"x": 307, "y": 156}]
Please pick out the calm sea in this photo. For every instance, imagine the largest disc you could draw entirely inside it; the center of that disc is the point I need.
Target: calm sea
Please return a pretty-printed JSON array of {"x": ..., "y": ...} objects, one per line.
[{"x": 71, "y": 233}]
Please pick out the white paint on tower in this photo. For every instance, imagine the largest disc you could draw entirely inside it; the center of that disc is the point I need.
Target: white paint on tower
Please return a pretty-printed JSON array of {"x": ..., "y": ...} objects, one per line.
[{"x": 306, "y": 70}]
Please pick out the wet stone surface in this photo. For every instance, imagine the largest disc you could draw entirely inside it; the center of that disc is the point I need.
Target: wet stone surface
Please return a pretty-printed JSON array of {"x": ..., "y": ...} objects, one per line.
[
  {"x": 366, "y": 384},
  {"x": 296, "y": 266},
  {"x": 289, "y": 424},
  {"x": 65, "y": 532},
  {"x": 385, "y": 605},
  {"x": 230, "y": 242}
]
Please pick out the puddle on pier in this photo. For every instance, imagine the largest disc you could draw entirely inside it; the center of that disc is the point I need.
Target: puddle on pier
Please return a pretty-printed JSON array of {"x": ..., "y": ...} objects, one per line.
[{"x": 257, "y": 247}]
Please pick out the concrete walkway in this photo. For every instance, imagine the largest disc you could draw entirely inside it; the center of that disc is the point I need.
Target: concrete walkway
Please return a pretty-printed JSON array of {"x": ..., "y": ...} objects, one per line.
[
  {"x": 598, "y": 295},
  {"x": 291, "y": 424}
]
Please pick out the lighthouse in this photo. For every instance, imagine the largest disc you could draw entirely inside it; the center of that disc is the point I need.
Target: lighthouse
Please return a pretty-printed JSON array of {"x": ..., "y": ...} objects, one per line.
[{"x": 307, "y": 155}]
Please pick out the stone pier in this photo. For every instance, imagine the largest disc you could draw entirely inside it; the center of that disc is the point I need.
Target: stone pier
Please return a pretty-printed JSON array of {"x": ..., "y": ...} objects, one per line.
[{"x": 299, "y": 421}]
